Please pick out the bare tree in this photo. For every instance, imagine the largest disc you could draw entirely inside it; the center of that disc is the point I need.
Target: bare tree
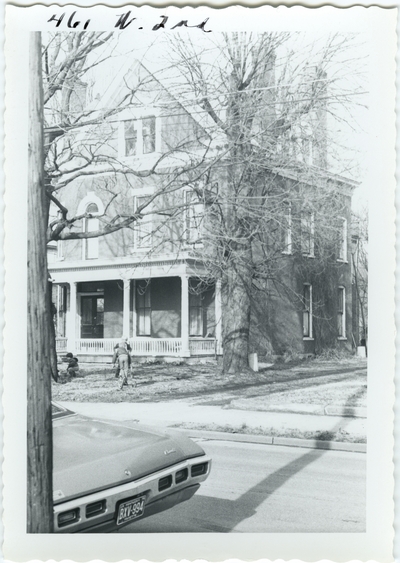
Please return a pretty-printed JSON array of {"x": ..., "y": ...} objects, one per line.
[
  {"x": 259, "y": 154},
  {"x": 266, "y": 107}
]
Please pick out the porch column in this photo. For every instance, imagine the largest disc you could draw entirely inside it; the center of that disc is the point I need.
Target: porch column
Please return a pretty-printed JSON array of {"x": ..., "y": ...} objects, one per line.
[
  {"x": 218, "y": 316},
  {"x": 126, "y": 308},
  {"x": 71, "y": 319},
  {"x": 185, "y": 315},
  {"x": 58, "y": 305},
  {"x": 134, "y": 313}
]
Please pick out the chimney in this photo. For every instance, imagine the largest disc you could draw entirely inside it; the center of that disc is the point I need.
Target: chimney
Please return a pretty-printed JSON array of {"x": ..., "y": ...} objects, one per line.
[
  {"x": 313, "y": 92},
  {"x": 78, "y": 97}
]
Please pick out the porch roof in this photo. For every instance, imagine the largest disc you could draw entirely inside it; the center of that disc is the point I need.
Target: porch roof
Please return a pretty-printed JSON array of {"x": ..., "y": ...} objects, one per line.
[{"x": 127, "y": 267}]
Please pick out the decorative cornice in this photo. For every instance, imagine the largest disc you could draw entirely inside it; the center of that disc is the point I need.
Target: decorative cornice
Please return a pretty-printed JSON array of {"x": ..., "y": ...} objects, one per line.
[{"x": 84, "y": 266}]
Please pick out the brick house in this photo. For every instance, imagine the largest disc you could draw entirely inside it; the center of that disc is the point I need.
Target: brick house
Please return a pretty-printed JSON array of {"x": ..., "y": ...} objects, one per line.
[{"x": 147, "y": 282}]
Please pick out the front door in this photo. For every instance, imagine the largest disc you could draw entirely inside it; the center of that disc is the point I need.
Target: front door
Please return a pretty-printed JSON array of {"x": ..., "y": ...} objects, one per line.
[{"x": 92, "y": 316}]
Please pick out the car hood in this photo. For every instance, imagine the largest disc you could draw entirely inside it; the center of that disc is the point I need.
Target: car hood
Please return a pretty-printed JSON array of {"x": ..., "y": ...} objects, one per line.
[{"x": 90, "y": 455}]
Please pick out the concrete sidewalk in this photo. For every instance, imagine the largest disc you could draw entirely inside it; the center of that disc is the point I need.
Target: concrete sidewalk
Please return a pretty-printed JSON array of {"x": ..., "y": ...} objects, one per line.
[{"x": 181, "y": 414}]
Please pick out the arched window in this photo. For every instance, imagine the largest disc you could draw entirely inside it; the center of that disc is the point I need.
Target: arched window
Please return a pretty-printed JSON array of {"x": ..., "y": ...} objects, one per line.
[
  {"x": 92, "y": 208},
  {"x": 92, "y": 204},
  {"x": 91, "y": 224}
]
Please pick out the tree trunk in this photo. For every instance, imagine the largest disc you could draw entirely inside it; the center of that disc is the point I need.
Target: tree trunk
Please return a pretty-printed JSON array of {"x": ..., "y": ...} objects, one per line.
[
  {"x": 52, "y": 339},
  {"x": 39, "y": 434},
  {"x": 48, "y": 138},
  {"x": 236, "y": 322}
]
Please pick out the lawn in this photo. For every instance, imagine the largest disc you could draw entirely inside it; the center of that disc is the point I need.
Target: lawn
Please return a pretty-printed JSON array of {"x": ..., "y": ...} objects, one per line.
[{"x": 339, "y": 382}]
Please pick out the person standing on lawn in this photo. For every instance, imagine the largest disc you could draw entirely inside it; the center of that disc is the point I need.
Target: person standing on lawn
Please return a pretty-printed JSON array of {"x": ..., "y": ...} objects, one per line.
[
  {"x": 129, "y": 348},
  {"x": 121, "y": 358}
]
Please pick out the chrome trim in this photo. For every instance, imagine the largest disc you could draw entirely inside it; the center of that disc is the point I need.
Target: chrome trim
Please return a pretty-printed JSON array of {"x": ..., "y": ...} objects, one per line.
[{"x": 147, "y": 486}]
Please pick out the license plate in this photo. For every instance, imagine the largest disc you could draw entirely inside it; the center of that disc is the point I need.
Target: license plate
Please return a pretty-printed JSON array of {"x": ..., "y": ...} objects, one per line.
[{"x": 130, "y": 509}]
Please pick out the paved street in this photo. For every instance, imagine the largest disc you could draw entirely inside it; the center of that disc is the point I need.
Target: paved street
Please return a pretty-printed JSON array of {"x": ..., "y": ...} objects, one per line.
[{"x": 261, "y": 488}]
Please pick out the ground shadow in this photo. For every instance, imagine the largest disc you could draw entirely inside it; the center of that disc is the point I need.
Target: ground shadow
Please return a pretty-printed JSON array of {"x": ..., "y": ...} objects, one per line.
[
  {"x": 297, "y": 381},
  {"x": 226, "y": 515}
]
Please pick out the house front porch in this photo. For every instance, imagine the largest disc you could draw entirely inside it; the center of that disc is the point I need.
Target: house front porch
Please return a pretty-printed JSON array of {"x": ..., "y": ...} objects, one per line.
[
  {"x": 102, "y": 349},
  {"x": 165, "y": 309}
]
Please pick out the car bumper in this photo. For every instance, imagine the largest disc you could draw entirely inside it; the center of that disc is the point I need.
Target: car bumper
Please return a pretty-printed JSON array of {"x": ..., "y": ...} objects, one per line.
[{"x": 97, "y": 512}]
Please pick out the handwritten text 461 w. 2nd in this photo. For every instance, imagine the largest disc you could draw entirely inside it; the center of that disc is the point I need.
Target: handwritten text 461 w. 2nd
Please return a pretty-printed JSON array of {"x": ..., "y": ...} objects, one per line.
[{"x": 124, "y": 20}]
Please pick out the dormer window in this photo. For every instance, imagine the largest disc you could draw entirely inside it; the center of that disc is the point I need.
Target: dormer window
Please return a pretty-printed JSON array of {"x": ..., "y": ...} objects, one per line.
[
  {"x": 149, "y": 134},
  {"x": 130, "y": 137},
  {"x": 139, "y": 136}
]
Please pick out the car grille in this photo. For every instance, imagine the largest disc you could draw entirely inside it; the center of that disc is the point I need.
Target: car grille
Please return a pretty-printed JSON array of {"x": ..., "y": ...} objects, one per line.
[{"x": 100, "y": 508}]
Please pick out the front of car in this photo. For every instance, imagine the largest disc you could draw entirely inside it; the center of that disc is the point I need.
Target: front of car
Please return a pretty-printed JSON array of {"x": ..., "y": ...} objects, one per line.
[{"x": 107, "y": 474}]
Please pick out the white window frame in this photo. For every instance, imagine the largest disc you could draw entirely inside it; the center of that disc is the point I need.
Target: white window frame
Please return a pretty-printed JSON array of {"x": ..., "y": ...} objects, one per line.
[
  {"x": 137, "y": 128},
  {"x": 310, "y": 233},
  {"x": 91, "y": 245},
  {"x": 343, "y": 243},
  {"x": 196, "y": 314},
  {"x": 287, "y": 229},
  {"x": 342, "y": 328},
  {"x": 309, "y": 311},
  {"x": 141, "y": 225},
  {"x": 138, "y": 118},
  {"x": 189, "y": 217},
  {"x": 94, "y": 242}
]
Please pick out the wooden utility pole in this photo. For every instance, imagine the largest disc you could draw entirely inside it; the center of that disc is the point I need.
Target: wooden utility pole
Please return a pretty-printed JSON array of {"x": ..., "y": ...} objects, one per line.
[{"x": 39, "y": 435}]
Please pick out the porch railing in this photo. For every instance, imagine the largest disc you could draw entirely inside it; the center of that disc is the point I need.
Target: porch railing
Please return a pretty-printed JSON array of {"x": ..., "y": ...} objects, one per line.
[
  {"x": 61, "y": 344},
  {"x": 202, "y": 346},
  {"x": 96, "y": 345},
  {"x": 140, "y": 346},
  {"x": 156, "y": 346}
]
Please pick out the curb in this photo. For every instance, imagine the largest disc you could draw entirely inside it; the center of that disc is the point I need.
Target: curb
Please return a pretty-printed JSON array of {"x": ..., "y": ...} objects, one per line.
[
  {"x": 352, "y": 412},
  {"x": 275, "y": 440},
  {"x": 313, "y": 443}
]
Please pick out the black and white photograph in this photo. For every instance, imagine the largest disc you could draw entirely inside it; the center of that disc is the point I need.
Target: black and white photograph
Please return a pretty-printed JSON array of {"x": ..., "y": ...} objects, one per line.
[{"x": 200, "y": 271}]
